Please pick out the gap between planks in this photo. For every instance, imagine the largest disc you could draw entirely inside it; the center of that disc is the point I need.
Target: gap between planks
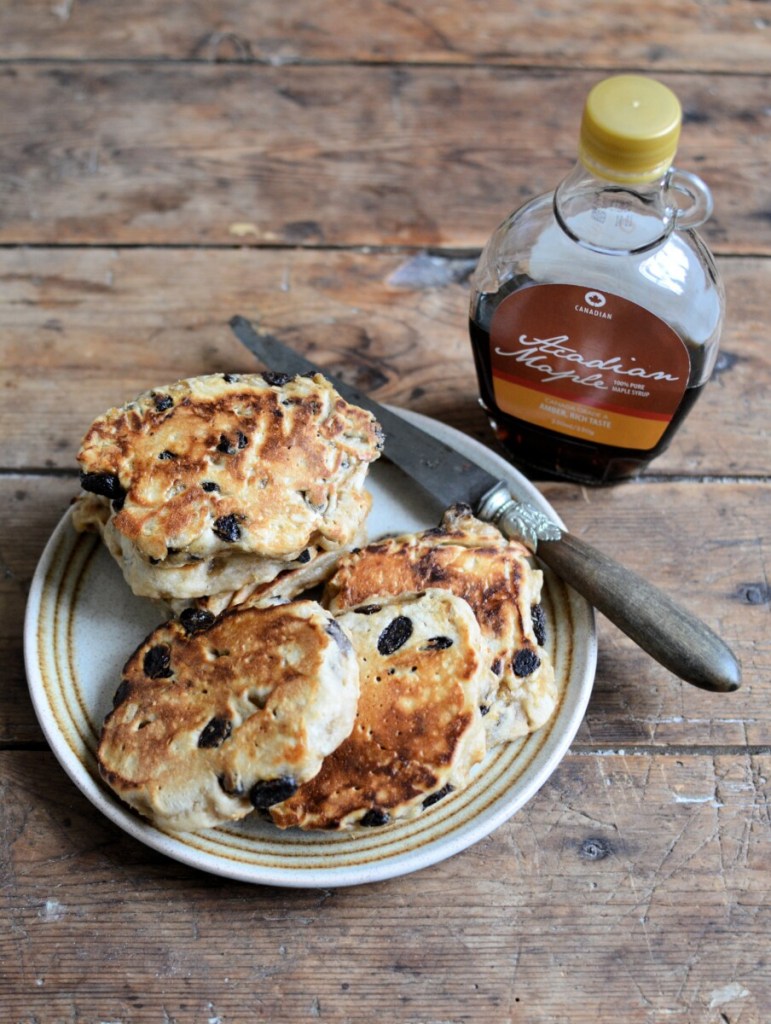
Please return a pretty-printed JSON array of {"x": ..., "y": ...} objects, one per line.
[
  {"x": 450, "y": 254},
  {"x": 537, "y": 70}
]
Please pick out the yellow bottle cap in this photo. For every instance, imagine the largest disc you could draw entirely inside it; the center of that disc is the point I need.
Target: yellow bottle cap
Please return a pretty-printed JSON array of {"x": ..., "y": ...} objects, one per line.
[{"x": 630, "y": 129}]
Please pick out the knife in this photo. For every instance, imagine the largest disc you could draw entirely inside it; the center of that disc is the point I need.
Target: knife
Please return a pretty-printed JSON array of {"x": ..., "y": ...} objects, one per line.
[{"x": 678, "y": 640}]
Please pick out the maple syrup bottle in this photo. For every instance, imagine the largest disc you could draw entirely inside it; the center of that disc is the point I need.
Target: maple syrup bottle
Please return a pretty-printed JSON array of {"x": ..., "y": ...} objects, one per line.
[{"x": 596, "y": 309}]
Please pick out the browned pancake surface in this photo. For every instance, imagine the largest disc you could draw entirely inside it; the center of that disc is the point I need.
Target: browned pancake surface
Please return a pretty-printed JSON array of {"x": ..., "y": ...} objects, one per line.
[
  {"x": 215, "y": 718},
  {"x": 418, "y": 728},
  {"x": 497, "y": 579},
  {"x": 255, "y": 463}
]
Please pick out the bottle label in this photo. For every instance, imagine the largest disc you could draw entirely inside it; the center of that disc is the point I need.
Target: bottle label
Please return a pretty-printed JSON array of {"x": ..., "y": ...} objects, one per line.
[{"x": 587, "y": 363}]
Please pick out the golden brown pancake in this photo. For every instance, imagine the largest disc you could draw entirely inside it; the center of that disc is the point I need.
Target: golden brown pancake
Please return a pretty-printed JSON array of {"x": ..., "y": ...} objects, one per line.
[
  {"x": 418, "y": 730},
  {"x": 217, "y": 716},
  {"x": 498, "y": 580},
  {"x": 215, "y": 482}
]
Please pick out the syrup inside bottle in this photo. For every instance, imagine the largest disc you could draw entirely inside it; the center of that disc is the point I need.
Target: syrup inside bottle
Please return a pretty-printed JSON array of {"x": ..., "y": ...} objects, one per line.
[
  {"x": 549, "y": 454},
  {"x": 671, "y": 277}
]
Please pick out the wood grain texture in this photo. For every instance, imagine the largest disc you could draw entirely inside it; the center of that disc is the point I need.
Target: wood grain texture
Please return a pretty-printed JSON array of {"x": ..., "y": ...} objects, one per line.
[
  {"x": 639, "y": 884},
  {"x": 167, "y": 154},
  {"x": 674, "y": 35},
  {"x": 661, "y": 626},
  {"x": 87, "y": 329}
]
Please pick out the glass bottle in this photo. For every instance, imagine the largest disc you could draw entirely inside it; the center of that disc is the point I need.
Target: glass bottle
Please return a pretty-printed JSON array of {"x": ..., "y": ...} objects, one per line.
[{"x": 596, "y": 309}]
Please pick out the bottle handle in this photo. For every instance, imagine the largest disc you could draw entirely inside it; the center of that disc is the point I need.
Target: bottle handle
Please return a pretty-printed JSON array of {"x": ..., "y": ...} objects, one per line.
[{"x": 697, "y": 206}]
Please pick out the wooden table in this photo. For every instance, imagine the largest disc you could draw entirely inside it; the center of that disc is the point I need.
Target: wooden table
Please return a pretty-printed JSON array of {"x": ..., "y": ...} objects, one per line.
[{"x": 331, "y": 170}]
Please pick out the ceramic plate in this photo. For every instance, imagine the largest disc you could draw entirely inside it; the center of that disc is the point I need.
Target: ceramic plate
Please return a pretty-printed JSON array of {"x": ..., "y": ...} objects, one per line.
[{"x": 82, "y": 623}]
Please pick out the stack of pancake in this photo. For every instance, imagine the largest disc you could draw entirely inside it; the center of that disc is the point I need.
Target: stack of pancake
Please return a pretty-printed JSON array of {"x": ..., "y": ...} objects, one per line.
[
  {"x": 218, "y": 482},
  {"x": 354, "y": 704}
]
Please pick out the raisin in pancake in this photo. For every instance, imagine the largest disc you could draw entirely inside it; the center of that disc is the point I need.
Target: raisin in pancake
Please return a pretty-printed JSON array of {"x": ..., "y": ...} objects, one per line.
[
  {"x": 217, "y": 716},
  {"x": 418, "y": 729},
  {"x": 497, "y": 578},
  {"x": 215, "y": 482}
]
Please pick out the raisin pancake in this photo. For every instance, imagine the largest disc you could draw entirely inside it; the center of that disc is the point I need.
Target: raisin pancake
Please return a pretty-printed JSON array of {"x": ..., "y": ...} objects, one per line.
[
  {"x": 295, "y": 580},
  {"x": 215, "y": 482},
  {"x": 498, "y": 580},
  {"x": 418, "y": 729},
  {"x": 215, "y": 717}
]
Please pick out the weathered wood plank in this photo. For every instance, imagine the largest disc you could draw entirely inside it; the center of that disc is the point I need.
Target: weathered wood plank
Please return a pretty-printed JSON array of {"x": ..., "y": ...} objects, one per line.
[
  {"x": 638, "y": 884},
  {"x": 83, "y": 330},
  {"x": 708, "y": 547},
  {"x": 672, "y": 35},
  {"x": 415, "y": 156}
]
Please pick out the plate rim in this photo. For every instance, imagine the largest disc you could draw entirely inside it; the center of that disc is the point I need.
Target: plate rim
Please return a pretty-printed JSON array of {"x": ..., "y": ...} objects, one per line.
[{"x": 416, "y": 858}]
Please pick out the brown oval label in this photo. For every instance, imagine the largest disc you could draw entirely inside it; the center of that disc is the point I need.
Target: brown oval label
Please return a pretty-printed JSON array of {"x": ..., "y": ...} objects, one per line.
[{"x": 587, "y": 363}]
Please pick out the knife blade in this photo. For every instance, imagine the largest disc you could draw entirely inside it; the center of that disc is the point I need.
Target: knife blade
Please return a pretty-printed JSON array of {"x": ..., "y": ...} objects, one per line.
[{"x": 675, "y": 638}]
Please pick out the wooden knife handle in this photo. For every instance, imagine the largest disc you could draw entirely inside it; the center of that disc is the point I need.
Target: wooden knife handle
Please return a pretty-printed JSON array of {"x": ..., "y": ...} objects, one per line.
[{"x": 675, "y": 638}]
